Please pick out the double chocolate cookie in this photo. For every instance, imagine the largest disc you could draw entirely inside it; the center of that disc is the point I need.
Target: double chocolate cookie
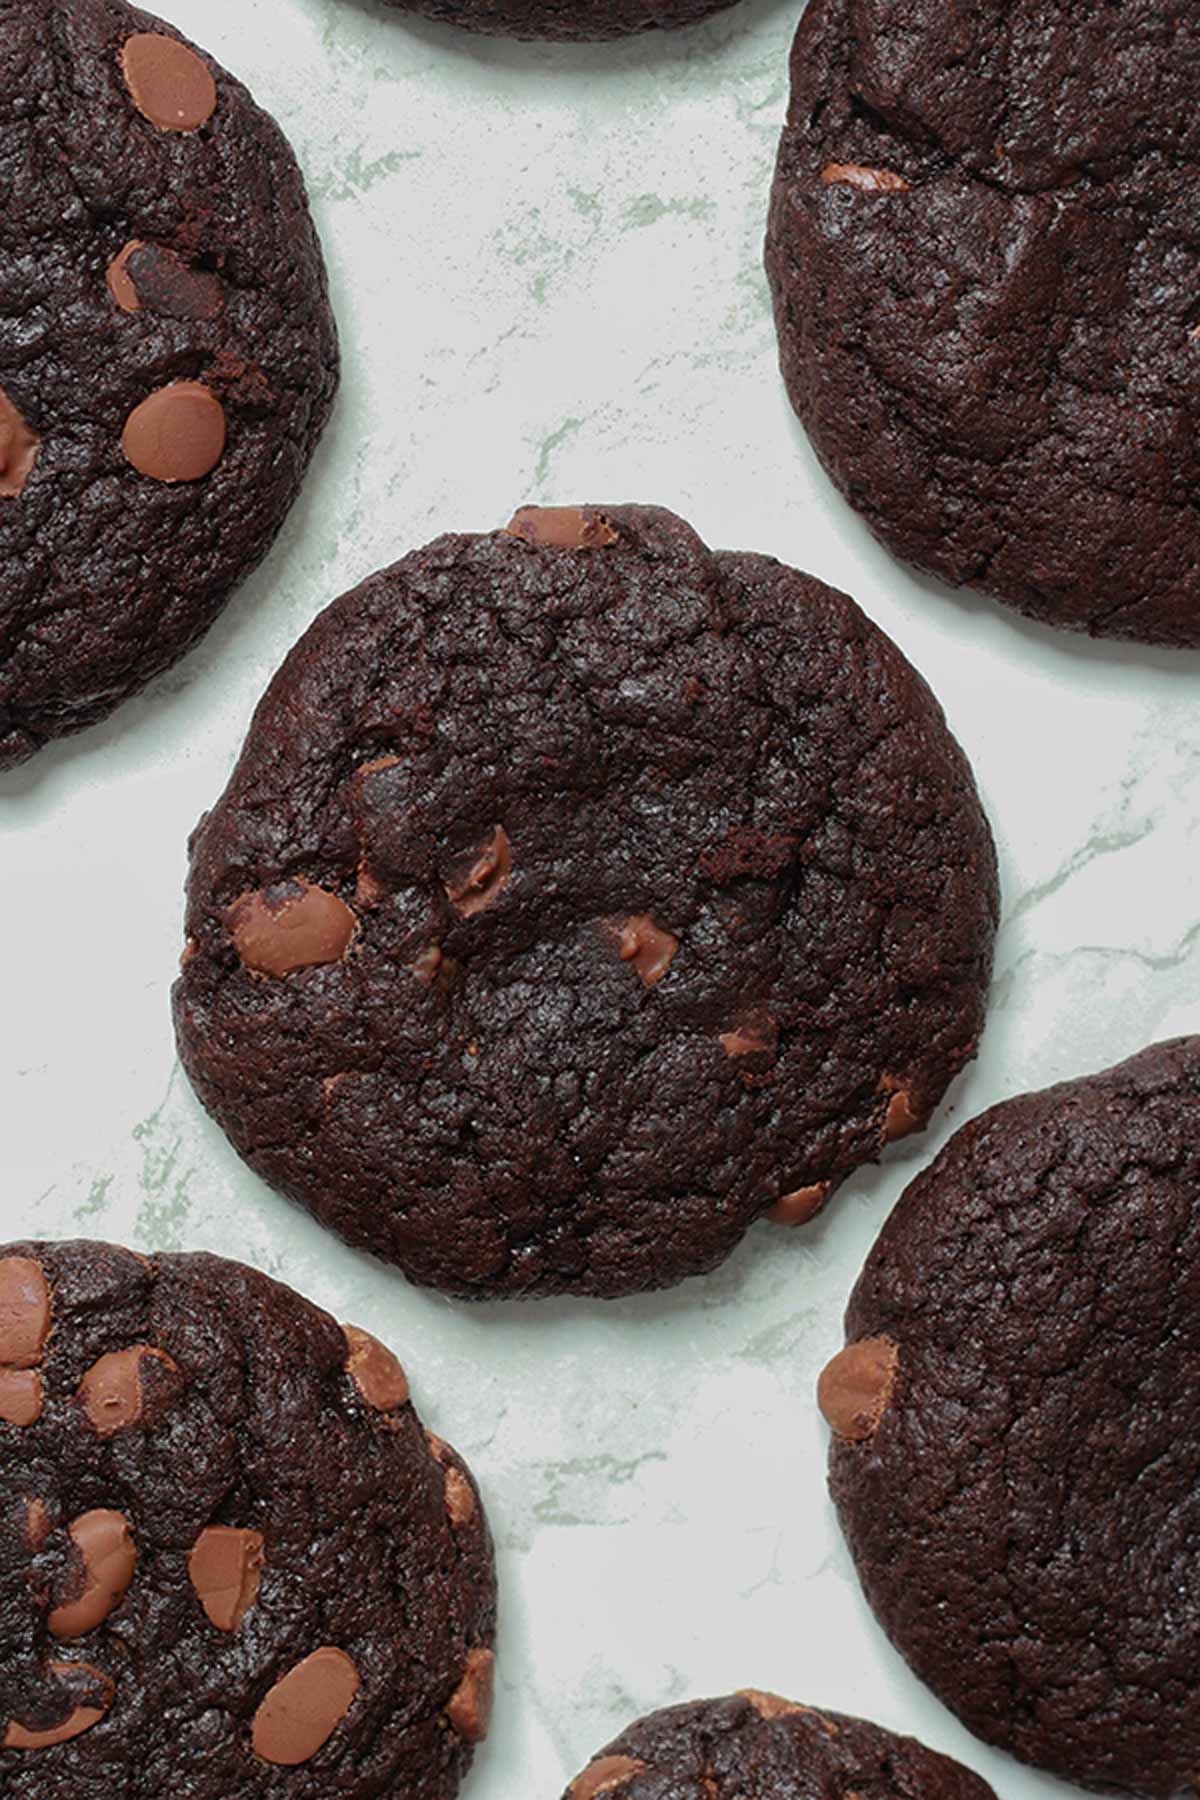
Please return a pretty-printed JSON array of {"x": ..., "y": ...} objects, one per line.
[
  {"x": 167, "y": 354},
  {"x": 584, "y": 21},
  {"x": 755, "y": 1746},
  {"x": 582, "y": 895},
  {"x": 231, "y": 1561},
  {"x": 1016, "y": 1418},
  {"x": 982, "y": 245}
]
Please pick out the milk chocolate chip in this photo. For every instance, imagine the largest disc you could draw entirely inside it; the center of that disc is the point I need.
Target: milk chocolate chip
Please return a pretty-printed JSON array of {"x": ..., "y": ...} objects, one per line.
[
  {"x": 427, "y": 965},
  {"x": 774, "y": 1706},
  {"x": 113, "y": 1390},
  {"x": 854, "y": 1389},
  {"x": 801, "y": 1206},
  {"x": 24, "y": 1312},
  {"x": 304, "y": 1708},
  {"x": 278, "y": 930},
  {"x": 647, "y": 946},
  {"x": 900, "y": 1119},
  {"x": 80, "y": 1719},
  {"x": 167, "y": 82},
  {"x": 561, "y": 527},
  {"x": 374, "y": 1371},
  {"x": 106, "y": 1549},
  {"x": 460, "y": 1495},
  {"x": 605, "y": 1774},
  {"x": 151, "y": 276},
  {"x": 20, "y": 1396},
  {"x": 225, "y": 1567},
  {"x": 871, "y": 181},
  {"x": 486, "y": 879},
  {"x": 38, "y": 1525},
  {"x": 177, "y": 433},
  {"x": 470, "y": 1707},
  {"x": 18, "y": 449}
]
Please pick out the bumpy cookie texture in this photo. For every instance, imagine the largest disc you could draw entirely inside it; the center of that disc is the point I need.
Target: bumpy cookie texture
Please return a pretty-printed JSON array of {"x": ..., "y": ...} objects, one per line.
[
  {"x": 758, "y": 1746},
  {"x": 231, "y": 1561},
  {"x": 167, "y": 354},
  {"x": 982, "y": 245},
  {"x": 1023, "y": 1511},
  {"x": 648, "y": 879},
  {"x": 583, "y": 21}
]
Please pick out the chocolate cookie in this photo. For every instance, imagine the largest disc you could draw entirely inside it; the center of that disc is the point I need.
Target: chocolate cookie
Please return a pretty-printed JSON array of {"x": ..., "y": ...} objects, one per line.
[
  {"x": 755, "y": 1746},
  {"x": 582, "y": 895},
  {"x": 1016, "y": 1417},
  {"x": 982, "y": 247},
  {"x": 584, "y": 21},
  {"x": 231, "y": 1562},
  {"x": 167, "y": 354}
]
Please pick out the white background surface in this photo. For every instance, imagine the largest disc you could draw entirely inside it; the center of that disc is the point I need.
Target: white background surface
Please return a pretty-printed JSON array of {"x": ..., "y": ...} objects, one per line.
[{"x": 546, "y": 268}]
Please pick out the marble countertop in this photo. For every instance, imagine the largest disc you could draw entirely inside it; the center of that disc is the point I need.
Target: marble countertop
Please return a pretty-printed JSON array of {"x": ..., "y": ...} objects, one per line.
[{"x": 546, "y": 267}]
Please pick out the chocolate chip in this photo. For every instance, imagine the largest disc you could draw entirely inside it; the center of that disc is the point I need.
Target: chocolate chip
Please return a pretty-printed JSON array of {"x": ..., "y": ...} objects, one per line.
[
  {"x": 225, "y": 1568},
  {"x": 113, "y": 1391},
  {"x": 605, "y": 1774},
  {"x": 176, "y": 434},
  {"x": 799, "y": 1207},
  {"x": 153, "y": 277},
  {"x": 644, "y": 943},
  {"x": 752, "y": 1038},
  {"x": 304, "y": 1708},
  {"x": 279, "y": 930},
  {"x": 20, "y": 1396},
  {"x": 486, "y": 879},
  {"x": 38, "y": 1525},
  {"x": 871, "y": 181},
  {"x": 106, "y": 1549},
  {"x": 461, "y": 1505},
  {"x": 80, "y": 1719},
  {"x": 854, "y": 1389},
  {"x": 427, "y": 964},
  {"x": 18, "y": 449},
  {"x": 774, "y": 1706},
  {"x": 900, "y": 1119},
  {"x": 561, "y": 527},
  {"x": 167, "y": 82},
  {"x": 24, "y": 1312},
  {"x": 374, "y": 1371},
  {"x": 470, "y": 1707}
]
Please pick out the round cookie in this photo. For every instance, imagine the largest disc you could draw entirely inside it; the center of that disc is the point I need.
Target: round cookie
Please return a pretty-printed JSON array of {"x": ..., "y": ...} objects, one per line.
[
  {"x": 581, "y": 21},
  {"x": 1016, "y": 1418},
  {"x": 167, "y": 354},
  {"x": 582, "y": 895},
  {"x": 756, "y": 1746},
  {"x": 231, "y": 1561},
  {"x": 982, "y": 245}
]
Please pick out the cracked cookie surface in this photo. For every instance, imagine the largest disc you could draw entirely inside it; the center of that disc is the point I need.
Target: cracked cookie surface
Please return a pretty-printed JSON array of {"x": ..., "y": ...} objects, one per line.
[
  {"x": 758, "y": 1746},
  {"x": 1016, "y": 1455},
  {"x": 581, "y": 896},
  {"x": 167, "y": 354},
  {"x": 232, "y": 1563},
  {"x": 982, "y": 245}
]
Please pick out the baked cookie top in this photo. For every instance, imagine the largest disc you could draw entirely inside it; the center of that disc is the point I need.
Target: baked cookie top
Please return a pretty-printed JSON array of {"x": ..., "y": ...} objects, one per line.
[
  {"x": 982, "y": 244},
  {"x": 232, "y": 1563},
  {"x": 757, "y": 1746},
  {"x": 1016, "y": 1451},
  {"x": 167, "y": 353},
  {"x": 582, "y": 895}
]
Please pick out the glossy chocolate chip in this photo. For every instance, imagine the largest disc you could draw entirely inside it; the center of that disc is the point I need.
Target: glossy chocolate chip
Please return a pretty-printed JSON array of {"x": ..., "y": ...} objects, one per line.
[
  {"x": 375, "y": 1372},
  {"x": 280, "y": 930},
  {"x": 112, "y": 1392},
  {"x": 176, "y": 434},
  {"x": 24, "y": 1312},
  {"x": 562, "y": 527},
  {"x": 470, "y": 1708},
  {"x": 643, "y": 942},
  {"x": 225, "y": 1569},
  {"x": 854, "y": 1389},
  {"x": 168, "y": 83},
  {"x": 304, "y": 1708},
  {"x": 108, "y": 1555}
]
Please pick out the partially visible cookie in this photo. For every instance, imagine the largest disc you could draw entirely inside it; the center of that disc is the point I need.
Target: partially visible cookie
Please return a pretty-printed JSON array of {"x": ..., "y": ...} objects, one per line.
[
  {"x": 167, "y": 354},
  {"x": 757, "y": 1746},
  {"x": 583, "y": 21},
  {"x": 982, "y": 246},
  {"x": 583, "y": 895},
  {"x": 1016, "y": 1426},
  {"x": 232, "y": 1564}
]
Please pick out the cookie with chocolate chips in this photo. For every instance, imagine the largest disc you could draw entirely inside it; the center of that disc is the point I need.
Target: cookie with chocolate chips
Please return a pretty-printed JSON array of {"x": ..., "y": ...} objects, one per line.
[
  {"x": 167, "y": 354},
  {"x": 756, "y": 1746},
  {"x": 232, "y": 1562},
  {"x": 1016, "y": 1455},
  {"x": 581, "y": 21},
  {"x": 982, "y": 244},
  {"x": 580, "y": 897}
]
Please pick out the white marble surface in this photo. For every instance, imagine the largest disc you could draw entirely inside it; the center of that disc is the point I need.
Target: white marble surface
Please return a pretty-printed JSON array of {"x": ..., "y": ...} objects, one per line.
[{"x": 546, "y": 267}]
